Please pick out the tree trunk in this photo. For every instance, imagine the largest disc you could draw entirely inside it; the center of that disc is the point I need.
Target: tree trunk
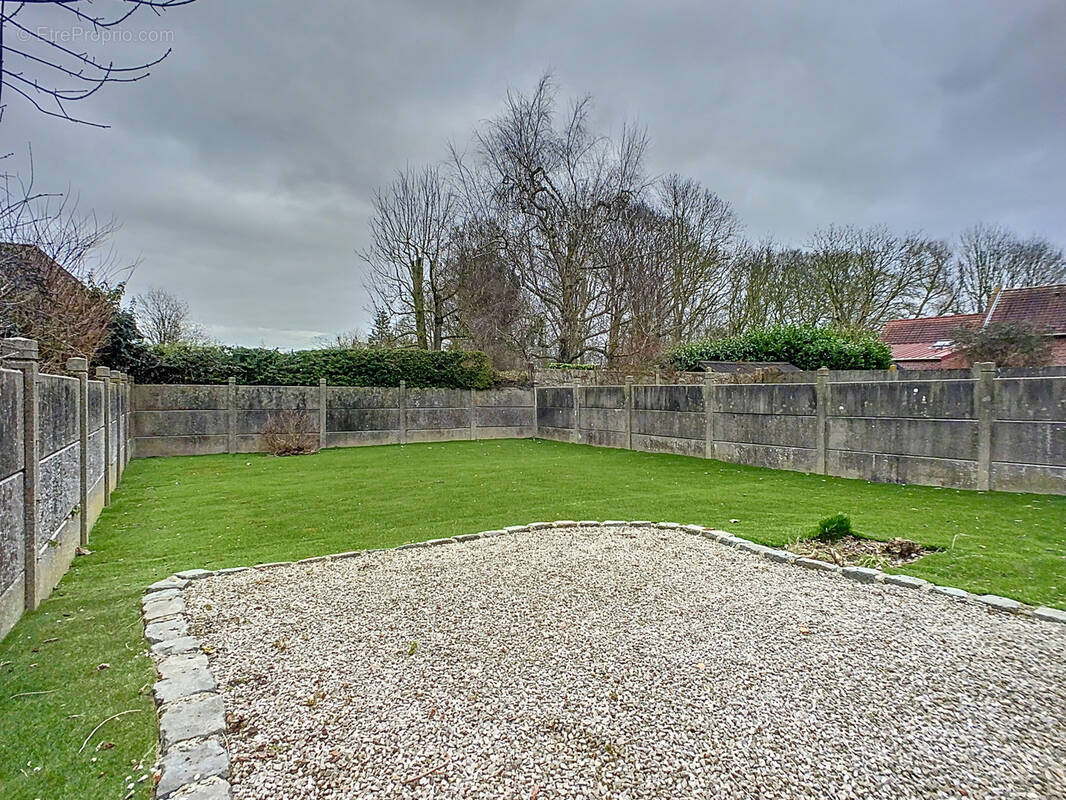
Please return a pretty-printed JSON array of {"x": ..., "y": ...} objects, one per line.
[{"x": 418, "y": 291}]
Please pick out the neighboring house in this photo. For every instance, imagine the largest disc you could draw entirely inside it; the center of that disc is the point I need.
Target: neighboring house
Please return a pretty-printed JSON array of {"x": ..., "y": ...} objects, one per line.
[
  {"x": 928, "y": 343},
  {"x": 26, "y": 272}
]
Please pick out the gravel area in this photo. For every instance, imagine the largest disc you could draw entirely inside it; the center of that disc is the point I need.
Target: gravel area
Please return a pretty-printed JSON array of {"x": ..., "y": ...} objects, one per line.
[{"x": 622, "y": 663}]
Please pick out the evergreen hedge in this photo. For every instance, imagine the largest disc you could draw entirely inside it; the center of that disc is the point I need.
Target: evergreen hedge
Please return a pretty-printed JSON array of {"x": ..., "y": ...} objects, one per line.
[
  {"x": 808, "y": 347},
  {"x": 450, "y": 369}
]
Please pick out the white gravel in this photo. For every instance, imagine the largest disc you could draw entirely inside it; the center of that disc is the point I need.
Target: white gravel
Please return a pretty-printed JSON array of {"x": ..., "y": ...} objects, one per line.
[{"x": 623, "y": 663}]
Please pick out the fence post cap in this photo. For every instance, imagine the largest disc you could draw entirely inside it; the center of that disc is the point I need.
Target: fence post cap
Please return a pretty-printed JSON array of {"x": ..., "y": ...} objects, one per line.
[
  {"x": 232, "y": 381},
  {"x": 986, "y": 366},
  {"x": 21, "y": 347},
  {"x": 102, "y": 372},
  {"x": 824, "y": 370},
  {"x": 77, "y": 364}
]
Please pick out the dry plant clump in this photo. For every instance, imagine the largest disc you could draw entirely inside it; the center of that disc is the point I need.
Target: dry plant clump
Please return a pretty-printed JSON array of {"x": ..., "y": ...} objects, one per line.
[
  {"x": 852, "y": 550},
  {"x": 290, "y": 433}
]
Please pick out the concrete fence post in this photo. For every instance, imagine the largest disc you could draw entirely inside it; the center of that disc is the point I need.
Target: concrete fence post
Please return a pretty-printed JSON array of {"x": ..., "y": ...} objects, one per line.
[
  {"x": 821, "y": 410},
  {"x": 473, "y": 414},
  {"x": 127, "y": 382},
  {"x": 628, "y": 395},
  {"x": 321, "y": 413},
  {"x": 129, "y": 413},
  {"x": 103, "y": 374},
  {"x": 984, "y": 398},
  {"x": 575, "y": 434},
  {"x": 79, "y": 368},
  {"x": 116, "y": 382},
  {"x": 708, "y": 410},
  {"x": 22, "y": 355},
  {"x": 403, "y": 412},
  {"x": 536, "y": 415},
  {"x": 231, "y": 415}
]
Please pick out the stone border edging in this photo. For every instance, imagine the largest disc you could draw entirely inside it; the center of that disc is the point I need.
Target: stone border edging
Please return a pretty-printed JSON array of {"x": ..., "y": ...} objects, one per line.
[{"x": 193, "y": 761}]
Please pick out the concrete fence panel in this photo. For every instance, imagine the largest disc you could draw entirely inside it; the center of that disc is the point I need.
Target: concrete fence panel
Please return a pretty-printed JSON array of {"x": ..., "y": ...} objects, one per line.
[
  {"x": 926, "y": 399},
  {"x": 936, "y": 438},
  {"x": 12, "y": 512},
  {"x": 761, "y": 398},
  {"x": 1037, "y": 399},
  {"x": 57, "y": 436}
]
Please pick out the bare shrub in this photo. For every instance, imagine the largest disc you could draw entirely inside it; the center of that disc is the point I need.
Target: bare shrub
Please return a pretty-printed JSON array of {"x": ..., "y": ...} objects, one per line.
[{"x": 290, "y": 433}]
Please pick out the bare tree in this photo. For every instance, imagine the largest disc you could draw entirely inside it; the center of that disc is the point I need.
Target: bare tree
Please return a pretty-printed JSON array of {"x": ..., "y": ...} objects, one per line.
[
  {"x": 164, "y": 319},
  {"x": 409, "y": 239},
  {"x": 769, "y": 285},
  {"x": 866, "y": 276},
  {"x": 637, "y": 287},
  {"x": 991, "y": 257},
  {"x": 40, "y": 56},
  {"x": 491, "y": 311},
  {"x": 702, "y": 231},
  {"x": 556, "y": 188}
]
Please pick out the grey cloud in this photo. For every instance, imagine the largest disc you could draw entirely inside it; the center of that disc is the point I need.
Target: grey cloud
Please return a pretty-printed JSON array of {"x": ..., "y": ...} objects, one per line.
[{"x": 243, "y": 168}]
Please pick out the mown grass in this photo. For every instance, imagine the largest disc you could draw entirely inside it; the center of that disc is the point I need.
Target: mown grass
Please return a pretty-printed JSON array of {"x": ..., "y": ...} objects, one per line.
[{"x": 217, "y": 511}]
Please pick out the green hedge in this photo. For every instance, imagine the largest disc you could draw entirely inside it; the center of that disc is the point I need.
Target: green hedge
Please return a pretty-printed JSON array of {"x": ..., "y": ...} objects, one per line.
[
  {"x": 452, "y": 369},
  {"x": 808, "y": 347}
]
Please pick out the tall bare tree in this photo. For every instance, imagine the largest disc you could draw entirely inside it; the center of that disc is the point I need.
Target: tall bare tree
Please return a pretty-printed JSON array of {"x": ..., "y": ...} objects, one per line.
[
  {"x": 409, "y": 239},
  {"x": 991, "y": 257},
  {"x": 164, "y": 319},
  {"x": 702, "y": 230},
  {"x": 556, "y": 188},
  {"x": 866, "y": 276},
  {"x": 770, "y": 285},
  {"x": 42, "y": 59},
  {"x": 491, "y": 312}
]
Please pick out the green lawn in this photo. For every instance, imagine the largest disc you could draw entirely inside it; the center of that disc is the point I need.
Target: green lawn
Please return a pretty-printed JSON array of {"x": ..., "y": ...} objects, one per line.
[{"x": 218, "y": 511}]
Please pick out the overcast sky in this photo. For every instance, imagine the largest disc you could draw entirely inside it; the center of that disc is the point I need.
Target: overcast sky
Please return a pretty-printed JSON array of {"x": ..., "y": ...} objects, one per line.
[{"x": 242, "y": 169}]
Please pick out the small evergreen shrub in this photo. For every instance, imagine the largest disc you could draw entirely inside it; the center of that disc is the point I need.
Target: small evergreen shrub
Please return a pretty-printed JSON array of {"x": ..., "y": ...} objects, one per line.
[
  {"x": 834, "y": 528},
  {"x": 807, "y": 346},
  {"x": 449, "y": 369}
]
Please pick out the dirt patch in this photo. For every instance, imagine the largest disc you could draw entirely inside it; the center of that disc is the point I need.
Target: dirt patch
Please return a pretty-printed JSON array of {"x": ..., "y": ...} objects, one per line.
[{"x": 855, "y": 551}]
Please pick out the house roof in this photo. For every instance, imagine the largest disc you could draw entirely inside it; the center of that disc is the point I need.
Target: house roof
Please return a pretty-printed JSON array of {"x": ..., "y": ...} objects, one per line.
[
  {"x": 27, "y": 268},
  {"x": 928, "y": 329},
  {"x": 917, "y": 339},
  {"x": 1041, "y": 306},
  {"x": 918, "y": 351}
]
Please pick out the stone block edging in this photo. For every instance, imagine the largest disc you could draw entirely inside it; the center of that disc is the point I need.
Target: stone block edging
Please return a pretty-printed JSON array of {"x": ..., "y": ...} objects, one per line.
[{"x": 193, "y": 761}]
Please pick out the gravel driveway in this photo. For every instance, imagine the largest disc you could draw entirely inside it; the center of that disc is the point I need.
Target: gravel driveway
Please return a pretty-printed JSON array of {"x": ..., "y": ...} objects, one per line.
[{"x": 622, "y": 663}]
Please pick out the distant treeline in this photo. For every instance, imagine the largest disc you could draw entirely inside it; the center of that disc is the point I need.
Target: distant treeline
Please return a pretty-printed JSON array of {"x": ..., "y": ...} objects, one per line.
[{"x": 547, "y": 238}]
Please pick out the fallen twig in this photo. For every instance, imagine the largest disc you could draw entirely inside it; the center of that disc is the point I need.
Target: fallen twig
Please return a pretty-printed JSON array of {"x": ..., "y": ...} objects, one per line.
[
  {"x": 430, "y": 771},
  {"x": 98, "y": 727},
  {"x": 27, "y": 694}
]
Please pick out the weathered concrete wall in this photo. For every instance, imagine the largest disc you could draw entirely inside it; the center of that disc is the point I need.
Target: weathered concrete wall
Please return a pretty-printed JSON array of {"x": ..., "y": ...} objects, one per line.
[
  {"x": 766, "y": 425},
  {"x": 12, "y": 549},
  {"x": 53, "y": 482},
  {"x": 195, "y": 420},
  {"x": 898, "y": 430},
  {"x": 1028, "y": 449}
]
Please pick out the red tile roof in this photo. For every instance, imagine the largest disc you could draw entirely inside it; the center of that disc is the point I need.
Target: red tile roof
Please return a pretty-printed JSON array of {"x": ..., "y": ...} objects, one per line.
[
  {"x": 913, "y": 340},
  {"x": 1042, "y": 306},
  {"x": 918, "y": 351},
  {"x": 928, "y": 329}
]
